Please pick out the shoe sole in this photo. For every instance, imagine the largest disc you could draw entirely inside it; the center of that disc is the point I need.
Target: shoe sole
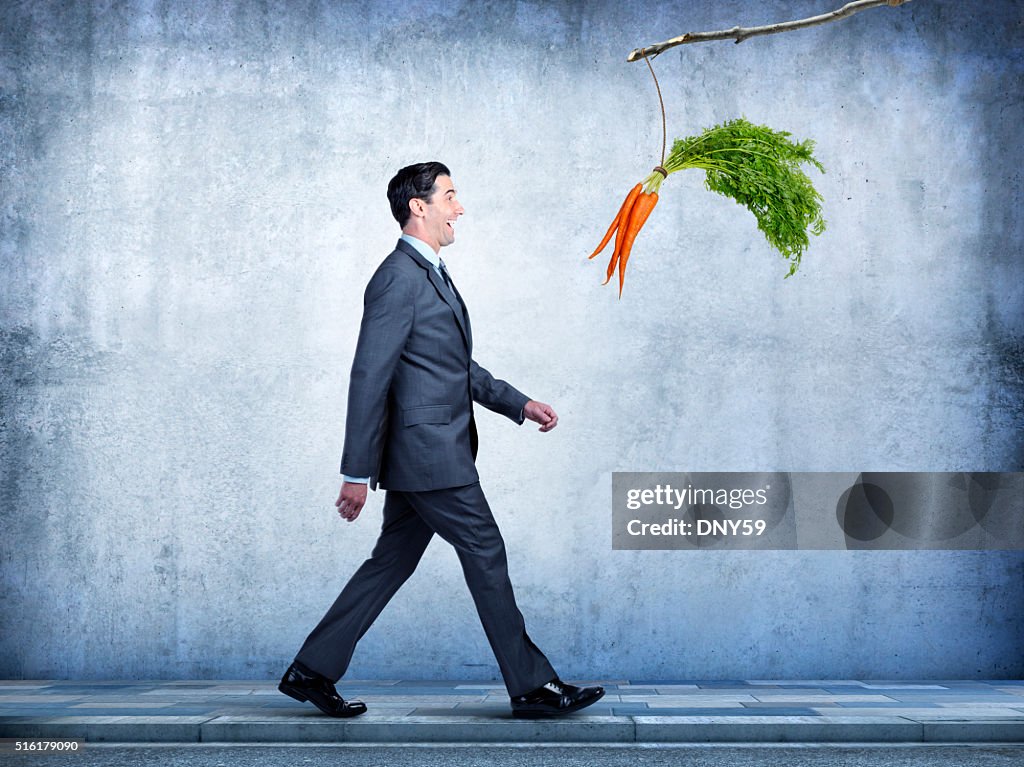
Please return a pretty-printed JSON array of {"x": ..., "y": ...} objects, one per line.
[
  {"x": 560, "y": 712},
  {"x": 303, "y": 699},
  {"x": 292, "y": 693}
]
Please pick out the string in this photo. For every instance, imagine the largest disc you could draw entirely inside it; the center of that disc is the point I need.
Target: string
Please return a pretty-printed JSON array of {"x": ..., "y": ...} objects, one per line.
[{"x": 661, "y": 102}]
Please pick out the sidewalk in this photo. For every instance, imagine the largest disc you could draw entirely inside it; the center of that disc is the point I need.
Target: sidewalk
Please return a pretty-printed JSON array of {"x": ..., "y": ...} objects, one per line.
[{"x": 819, "y": 711}]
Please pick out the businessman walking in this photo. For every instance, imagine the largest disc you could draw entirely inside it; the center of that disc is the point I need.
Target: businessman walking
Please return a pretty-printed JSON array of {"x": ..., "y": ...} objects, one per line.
[{"x": 410, "y": 429}]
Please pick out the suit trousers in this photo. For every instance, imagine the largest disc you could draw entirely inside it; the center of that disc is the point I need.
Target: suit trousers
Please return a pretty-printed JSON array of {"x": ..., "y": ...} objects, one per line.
[{"x": 461, "y": 516}]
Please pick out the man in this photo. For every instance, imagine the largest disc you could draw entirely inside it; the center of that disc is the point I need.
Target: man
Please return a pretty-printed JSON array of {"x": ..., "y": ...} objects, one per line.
[{"x": 410, "y": 429}]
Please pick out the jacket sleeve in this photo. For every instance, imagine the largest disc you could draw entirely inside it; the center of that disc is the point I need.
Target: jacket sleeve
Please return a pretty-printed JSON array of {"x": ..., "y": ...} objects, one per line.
[
  {"x": 495, "y": 394},
  {"x": 388, "y": 313}
]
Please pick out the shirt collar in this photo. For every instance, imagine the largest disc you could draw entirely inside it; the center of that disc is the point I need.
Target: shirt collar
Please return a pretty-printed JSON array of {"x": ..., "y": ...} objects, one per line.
[{"x": 423, "y": 249}]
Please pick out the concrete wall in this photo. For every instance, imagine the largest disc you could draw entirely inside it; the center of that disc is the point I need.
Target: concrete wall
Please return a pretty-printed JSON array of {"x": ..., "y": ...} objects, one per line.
[{"x": 193, "y": 200}]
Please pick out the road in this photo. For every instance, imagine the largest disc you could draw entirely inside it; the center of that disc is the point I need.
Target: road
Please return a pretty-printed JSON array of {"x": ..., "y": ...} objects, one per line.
[{"x": 532, "y": 755}]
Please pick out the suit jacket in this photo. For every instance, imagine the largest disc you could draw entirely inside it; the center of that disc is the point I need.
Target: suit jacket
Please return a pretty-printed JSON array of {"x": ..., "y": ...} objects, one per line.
[{"x": 410, "y": 423}]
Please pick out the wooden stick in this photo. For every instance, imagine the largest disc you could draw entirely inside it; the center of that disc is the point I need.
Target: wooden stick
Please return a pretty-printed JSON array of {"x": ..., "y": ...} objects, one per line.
[{"x": 739, "y": 34}]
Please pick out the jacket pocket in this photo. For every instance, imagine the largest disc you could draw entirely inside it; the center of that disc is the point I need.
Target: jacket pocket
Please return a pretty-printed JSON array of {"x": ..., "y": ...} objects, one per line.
[{"x": 427, "y": 414}]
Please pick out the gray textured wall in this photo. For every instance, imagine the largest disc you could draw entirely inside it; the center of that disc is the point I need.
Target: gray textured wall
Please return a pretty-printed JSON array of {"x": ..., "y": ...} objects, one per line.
[{"x": 193, "y": 200}]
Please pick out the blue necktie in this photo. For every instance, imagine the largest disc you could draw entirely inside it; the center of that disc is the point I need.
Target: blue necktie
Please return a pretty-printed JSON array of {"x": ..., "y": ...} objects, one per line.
[
  {"x": 447, "y": 278},
  {"x": 451, "y": 287}
]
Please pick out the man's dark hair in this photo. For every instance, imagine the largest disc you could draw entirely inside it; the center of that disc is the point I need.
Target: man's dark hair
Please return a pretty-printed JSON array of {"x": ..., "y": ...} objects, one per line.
[{"x": 413, "y": 181}]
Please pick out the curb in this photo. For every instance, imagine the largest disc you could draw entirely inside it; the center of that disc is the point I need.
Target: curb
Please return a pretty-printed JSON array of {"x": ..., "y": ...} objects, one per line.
[{"x": 580, "y": 729}]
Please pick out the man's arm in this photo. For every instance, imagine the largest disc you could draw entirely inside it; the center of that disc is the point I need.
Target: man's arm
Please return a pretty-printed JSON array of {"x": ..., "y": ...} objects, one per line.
[
  {"x": 387, "y": 322},
  {"x": 495, "y": 394},
  {"x": 501, "y": 397}
]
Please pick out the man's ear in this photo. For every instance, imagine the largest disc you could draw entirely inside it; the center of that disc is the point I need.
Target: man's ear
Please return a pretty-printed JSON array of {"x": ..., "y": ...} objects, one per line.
[{"x": 416, "y": 206}]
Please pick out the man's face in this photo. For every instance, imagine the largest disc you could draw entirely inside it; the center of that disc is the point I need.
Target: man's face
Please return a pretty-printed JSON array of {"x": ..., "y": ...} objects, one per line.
[{"x": 439, "y": 214}]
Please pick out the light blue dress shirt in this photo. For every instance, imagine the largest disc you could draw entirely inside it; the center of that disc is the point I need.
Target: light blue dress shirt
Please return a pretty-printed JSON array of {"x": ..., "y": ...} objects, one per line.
[{"x": 426, "y": 251}]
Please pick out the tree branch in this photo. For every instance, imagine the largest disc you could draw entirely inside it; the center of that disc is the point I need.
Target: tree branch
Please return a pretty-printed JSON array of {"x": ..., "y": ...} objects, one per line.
[{"x": 739, "y": 34}]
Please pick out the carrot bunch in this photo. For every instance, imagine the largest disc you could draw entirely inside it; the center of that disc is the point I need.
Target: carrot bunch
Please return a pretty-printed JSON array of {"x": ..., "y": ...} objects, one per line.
[
  {"x": 632, "y": 216},
  {"x": 756, "y": 166}
]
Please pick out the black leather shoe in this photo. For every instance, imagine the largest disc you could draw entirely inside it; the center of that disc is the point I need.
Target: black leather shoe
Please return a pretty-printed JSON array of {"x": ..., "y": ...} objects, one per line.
[
  {"x": 302, "y": 684},
  {"x": 554, "y": 699}
]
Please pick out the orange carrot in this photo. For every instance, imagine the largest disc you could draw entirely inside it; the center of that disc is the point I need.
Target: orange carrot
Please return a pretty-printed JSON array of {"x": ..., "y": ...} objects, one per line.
[
  {"x": 611, "y": 266},
  {"x": 620, "y": 235},
  {"x": 620, "y": 217},
  {"x": 637, "y": 217}
]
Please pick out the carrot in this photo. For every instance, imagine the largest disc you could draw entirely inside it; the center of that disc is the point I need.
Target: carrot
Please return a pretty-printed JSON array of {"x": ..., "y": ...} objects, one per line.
[
  {"x": 616, "y": 251},
  {"x": 631, "y": 200},
  {"x": 619, "y": 218},
  {"x": 637, "y": 217}
]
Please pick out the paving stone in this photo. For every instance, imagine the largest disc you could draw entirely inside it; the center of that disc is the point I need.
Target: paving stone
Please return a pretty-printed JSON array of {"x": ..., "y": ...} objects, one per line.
[
  {"x": 723, "y": 700},
  {"x": 463, "y": 711},
  {"x": 761, "y": 706},
  {"x": 148, "y": 705},
  {"x": 844, "y": 705},
  {"x": 729, "y": 712},
  {"x": 807, "y": 683},
  {"x": 813, "y": 696},
  {"x": 54, "y": 700},
  {"x": 162, "y": 713},
  {"x": 935, "y": 713},
  {"x": 413, "y": 701}
]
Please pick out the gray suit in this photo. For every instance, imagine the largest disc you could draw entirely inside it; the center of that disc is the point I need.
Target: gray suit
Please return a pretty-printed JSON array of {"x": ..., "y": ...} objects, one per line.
[
  {"x": 410, "y": 370},
  {"x": 410, "y": 428}
]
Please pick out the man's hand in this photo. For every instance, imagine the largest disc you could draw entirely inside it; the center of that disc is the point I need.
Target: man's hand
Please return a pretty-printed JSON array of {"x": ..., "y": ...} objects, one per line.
[
  {"x": 351, "y": 500},
  {"x": 542, "y": 414}
]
